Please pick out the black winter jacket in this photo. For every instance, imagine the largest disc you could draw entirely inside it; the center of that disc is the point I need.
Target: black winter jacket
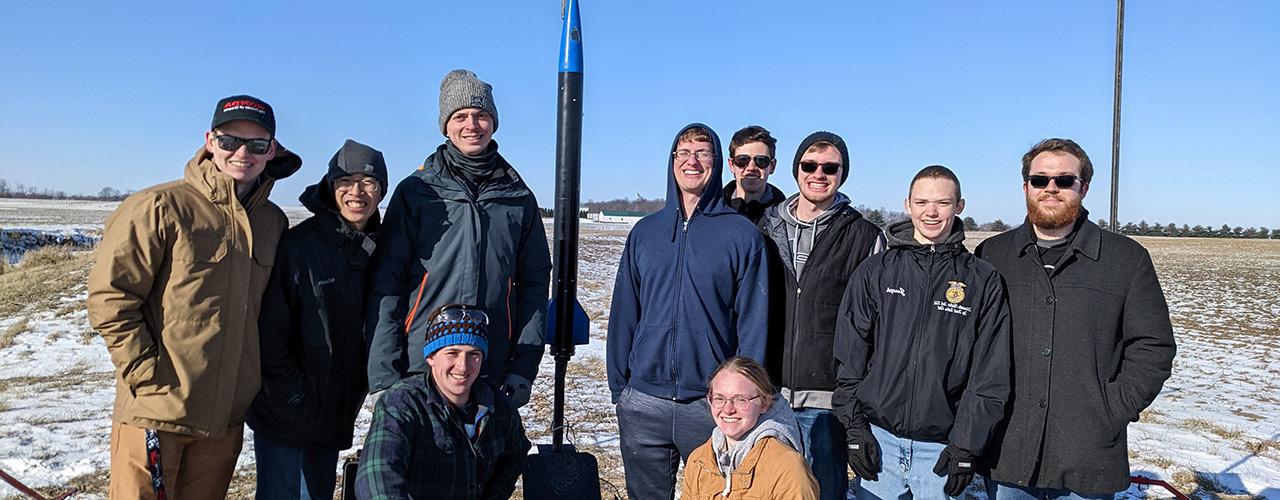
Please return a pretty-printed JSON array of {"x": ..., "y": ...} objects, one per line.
[
  {"x": 311, "y": 329},
  {"x": 802, "y": 313},
  {"x": 753, "y": 210},
  {"x": 1092, "y": 346},
  {"x": 922, "y": 343},
  {"x": 441, "y": 245}
]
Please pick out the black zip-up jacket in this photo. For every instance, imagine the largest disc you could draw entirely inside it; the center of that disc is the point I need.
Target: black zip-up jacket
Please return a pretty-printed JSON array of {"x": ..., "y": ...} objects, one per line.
[
  {"x": 922, "y": 343},
  {"x": 1092, "y": 347},
  {"x": 311, "y": 329},
  {"x": 753, "y": 210},
  {"x": 802, "y": 313}
]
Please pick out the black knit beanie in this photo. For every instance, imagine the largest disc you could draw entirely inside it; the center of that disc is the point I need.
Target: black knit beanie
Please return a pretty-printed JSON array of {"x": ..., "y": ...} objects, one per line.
[{"x": 823, "y": 137}]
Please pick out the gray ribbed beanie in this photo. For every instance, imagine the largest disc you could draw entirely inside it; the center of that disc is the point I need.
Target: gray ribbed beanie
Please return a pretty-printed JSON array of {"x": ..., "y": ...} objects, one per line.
[{"x": 463, "y": 89}]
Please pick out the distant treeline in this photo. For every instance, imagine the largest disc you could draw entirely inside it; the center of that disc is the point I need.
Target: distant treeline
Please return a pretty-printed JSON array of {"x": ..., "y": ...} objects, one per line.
[
  {"x": 20, "y": 190},
  {"x": 1196, "y": 231}
]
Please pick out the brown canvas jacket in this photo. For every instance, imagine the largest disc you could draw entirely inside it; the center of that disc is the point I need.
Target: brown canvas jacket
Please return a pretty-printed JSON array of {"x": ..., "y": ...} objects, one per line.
[
  {"x": 175, "y": 292},
  {"x": 771, "y": 470}
]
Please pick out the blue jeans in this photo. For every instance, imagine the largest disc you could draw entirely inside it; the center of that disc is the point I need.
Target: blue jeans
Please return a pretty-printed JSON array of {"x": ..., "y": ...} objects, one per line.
[
  {"x": 906, "y": 471},
  {"x": 287, "y": 472},
  {"x": 1006, "y": 491},
  {"x": 824, "y": 449},
  {"x": 654, "y": 435}
]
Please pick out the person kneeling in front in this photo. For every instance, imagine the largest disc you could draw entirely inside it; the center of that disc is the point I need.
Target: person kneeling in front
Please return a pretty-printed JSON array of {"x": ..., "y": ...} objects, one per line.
[
  {"x": 445, "y": 434},
  {"x": 752, "y": 452}
]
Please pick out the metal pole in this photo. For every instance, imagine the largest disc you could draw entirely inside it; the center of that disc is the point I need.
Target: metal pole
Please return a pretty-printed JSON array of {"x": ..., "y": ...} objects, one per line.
[{"x": 1115, "y": 119}]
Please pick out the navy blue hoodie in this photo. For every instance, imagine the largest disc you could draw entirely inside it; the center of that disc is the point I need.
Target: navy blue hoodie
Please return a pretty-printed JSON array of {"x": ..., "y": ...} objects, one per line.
[{"x": 689, "y": 294}]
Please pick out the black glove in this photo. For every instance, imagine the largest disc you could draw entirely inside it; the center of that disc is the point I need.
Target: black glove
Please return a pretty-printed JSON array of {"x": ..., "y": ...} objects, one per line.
[
  {"x": 958, "y": 464},
  {"x": 864, "y": 452}
]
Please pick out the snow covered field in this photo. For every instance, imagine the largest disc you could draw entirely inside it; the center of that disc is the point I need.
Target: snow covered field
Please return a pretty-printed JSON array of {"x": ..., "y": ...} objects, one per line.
[{"x": 1214, "y": 431}]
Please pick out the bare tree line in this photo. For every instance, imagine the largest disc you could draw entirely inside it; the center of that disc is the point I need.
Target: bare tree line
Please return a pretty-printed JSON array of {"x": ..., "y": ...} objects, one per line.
[{"x": 20, "y": 190}]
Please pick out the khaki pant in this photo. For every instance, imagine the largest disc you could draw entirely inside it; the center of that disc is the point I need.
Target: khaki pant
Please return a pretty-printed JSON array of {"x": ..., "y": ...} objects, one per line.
[{"x": 193, "y": 468}]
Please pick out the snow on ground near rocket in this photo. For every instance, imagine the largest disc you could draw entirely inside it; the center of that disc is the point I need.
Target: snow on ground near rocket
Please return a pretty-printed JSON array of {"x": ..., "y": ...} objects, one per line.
[{"x": 1214, "y": 422}]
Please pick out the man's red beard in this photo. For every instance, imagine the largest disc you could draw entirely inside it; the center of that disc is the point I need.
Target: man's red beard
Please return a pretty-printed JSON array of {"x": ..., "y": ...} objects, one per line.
[{"x": 1053, "y": 217}]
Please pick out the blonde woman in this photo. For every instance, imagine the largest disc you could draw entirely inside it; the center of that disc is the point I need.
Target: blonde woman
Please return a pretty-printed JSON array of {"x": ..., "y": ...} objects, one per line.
[{"x": 752, "y": 452}]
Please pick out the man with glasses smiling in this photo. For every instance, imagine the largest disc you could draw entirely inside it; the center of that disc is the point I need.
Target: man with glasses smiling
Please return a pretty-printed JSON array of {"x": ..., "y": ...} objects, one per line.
[
  {"x": 312, "y": 330},
  {"x": 816, "y": 240},
  {"x": 751, "y": 160},
  {"x": 691, "y": 292},
  {"x": 175, "y": 293},
  {"x": 1092, "y": 340}
]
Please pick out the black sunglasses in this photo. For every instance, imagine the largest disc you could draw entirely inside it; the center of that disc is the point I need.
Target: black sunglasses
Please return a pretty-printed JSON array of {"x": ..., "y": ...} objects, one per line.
[
  {"x": 762, "y": 161},
  {"x": 809, "y": 167},
  {"x": 232, "y": 143},
  {"x": 1042, "y": 181}
]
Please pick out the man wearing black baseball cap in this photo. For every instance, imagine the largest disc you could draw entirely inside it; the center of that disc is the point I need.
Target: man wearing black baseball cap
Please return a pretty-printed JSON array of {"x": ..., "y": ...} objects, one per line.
[{"x": 175, "y": 294}]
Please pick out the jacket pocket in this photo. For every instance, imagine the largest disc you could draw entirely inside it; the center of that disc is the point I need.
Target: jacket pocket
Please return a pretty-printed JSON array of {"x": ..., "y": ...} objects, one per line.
[
  {"x": 199, "y": 247},
  {"x": 650, "y": 357}
]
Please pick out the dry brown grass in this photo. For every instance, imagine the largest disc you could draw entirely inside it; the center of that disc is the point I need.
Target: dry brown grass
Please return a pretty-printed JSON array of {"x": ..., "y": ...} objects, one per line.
[
  {"x": 1202, "y": 425},
  {"x": 44, "y": 256},
  {"x": 10, "y": 334},
  {"x": 42, "y": 280}
]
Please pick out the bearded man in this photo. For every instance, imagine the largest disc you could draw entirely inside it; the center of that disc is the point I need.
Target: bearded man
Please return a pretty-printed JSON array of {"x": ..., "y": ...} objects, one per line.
[{"x": 1092, "y": 341}]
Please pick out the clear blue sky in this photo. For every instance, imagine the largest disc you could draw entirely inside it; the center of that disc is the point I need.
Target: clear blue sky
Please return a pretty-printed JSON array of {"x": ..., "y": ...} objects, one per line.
[{"x": 118, "y": 94}]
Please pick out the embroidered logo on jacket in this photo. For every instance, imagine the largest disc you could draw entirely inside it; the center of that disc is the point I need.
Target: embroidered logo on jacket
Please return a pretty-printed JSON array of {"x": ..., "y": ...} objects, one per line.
[
  {"x": 900, "y": 291},
  {"x": 955, "y": 294}
]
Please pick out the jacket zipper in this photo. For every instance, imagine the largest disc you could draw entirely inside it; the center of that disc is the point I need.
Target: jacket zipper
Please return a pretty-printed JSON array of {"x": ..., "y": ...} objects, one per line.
[
  {"x": 408, "y": 321},
  {"x": 510, "y": 330},
  {"x": 915, "y": 338},
  {"x": 675, "y": 365}
]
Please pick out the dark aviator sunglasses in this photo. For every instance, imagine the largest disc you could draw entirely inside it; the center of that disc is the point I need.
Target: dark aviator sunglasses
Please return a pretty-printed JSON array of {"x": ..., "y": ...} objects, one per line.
[{"x": 762, "y": 161}]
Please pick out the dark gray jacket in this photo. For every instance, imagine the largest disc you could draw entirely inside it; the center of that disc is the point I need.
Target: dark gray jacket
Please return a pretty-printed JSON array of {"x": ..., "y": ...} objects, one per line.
[
  {"x": 1092, "y": 346},
  {"x": 441, "y": 245}
]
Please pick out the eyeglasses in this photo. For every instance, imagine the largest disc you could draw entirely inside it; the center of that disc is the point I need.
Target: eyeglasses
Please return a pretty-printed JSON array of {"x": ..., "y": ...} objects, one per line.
[
  {"x": 232, "y": 143},
  {"x": 739, "y": 402},
  {"x": 367, "y": 184},
  {"x": 459, "y": 312},
  {"x": 1042, "y": 181},
  {"x": 762, "y": 161},
  {"x": 702, "y": 155},
  {"x": 810, "y": 167}
]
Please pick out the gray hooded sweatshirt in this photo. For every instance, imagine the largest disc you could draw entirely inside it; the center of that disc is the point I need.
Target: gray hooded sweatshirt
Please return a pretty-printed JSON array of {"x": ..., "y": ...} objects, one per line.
[
  {"x": 778, "y": 422},
  {"x": 801, "y": 235}
]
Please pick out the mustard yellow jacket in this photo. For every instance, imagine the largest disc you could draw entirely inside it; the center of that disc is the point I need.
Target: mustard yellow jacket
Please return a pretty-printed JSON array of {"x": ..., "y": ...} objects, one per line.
[
  {"x": 771, "y": 470},
  {"x": 175, "y": 290}
]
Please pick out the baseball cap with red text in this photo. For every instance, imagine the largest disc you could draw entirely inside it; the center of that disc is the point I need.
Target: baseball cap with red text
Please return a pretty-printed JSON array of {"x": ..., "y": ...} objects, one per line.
[{"x": 244, "y": 107}]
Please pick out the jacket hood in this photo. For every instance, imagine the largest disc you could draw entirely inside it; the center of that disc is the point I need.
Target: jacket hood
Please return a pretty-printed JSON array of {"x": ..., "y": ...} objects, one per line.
[
  {"x": 787, "y": 215},
  {"x": 201, "y": 173},
  {"x": 352, "y": 158},
  {"x": 712, "y": 201},
  {"x": 823, "y": 136},
  {"x": 903, "y": 234},
  {"x": 778, "y": 422}
]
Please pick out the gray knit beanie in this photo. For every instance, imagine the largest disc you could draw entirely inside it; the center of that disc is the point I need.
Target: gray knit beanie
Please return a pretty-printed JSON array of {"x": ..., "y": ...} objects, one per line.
[{"x": 463, "y": 89}]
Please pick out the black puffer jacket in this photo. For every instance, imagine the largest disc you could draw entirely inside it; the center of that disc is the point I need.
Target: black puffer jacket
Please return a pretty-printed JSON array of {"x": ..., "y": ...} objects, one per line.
[
  {"x": 922, "y": 343},
  {"x": 802, "y": 312},
  {"x": 312, "y": 328},
  {"x": 1092, "y": 346}
]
